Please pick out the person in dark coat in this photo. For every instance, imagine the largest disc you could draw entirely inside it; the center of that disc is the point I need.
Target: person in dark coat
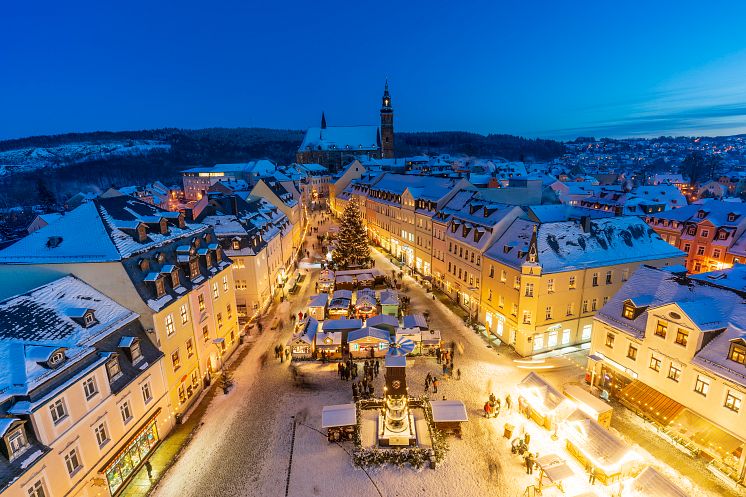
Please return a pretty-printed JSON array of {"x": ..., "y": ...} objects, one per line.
[
  {"x": 530, "y": 461},
  {"x": 377, "y": 367},
  {"x": 435, "y": 385}
]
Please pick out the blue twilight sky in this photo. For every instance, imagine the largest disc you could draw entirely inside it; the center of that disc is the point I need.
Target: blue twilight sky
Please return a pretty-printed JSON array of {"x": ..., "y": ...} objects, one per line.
[{"x": 538, "y": 68}]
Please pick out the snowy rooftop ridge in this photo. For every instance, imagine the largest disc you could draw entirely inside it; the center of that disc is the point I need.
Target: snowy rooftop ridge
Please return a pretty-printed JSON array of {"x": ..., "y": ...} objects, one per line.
[
  {"x": 40, "y": 319},
  {"x": 564, "y": 246},
  {"x": 341, "y": 138}
]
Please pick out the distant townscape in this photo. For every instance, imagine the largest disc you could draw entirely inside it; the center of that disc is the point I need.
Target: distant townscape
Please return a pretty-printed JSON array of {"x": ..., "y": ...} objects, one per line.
[{"x": 123, "y": 302}]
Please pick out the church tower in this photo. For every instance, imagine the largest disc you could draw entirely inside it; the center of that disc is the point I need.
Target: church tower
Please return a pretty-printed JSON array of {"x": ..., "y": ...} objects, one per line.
[{"x": 387, "y": 125}]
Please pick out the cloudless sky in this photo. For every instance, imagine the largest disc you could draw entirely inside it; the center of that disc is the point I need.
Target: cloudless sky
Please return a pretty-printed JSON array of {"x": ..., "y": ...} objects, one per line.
[{"x": 536, "y": 68}]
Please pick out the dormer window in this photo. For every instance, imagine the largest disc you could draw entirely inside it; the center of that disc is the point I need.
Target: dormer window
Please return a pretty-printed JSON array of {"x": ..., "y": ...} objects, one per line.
[
  {"x": 142, "y": 233},
  {"x": 135, "y": 351},
  {"x": 193, "y": 268},
  {"x": 629, "y": 311},
  {"x": 113, "y": 370},
  {"x": 17, "y": 442},
  {"x": 732, "y": 216},
  {"x": 144, "y": 264},
  {"x": 89, "y": 319},
  {"x": 175, "y": 278},
  {"x": 701, "y": 214},
  {"x": 692, "y": 230},
  {"x": 164, "y": 226},
  {"x": 208, "y": 259},
  {"x": 723, "y": 235},
  {"x": 236, "y": 245},
  {"x": 737, "y": 353}
]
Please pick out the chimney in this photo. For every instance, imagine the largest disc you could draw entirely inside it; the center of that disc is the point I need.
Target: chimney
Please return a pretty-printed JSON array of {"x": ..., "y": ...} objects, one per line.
[
  {"x": 585, "y": 222},
  {"x": 234, "y": 205}
]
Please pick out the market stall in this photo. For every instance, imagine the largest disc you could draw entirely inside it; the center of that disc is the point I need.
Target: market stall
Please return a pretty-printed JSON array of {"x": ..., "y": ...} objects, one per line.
[
  {"x": 540, "y": 401},
  {"x": 365, "y": 303},
  {"x": 302, "y": 344},
  {"x": 365, "y": 280},
  {"x": 343, "y": 326},
  {"x": 339, "y": 307},
  {"x": 390, "y": 302},
  {"x": 430, "y": 341},
  {"x": 339, "y": 421},
  {"x": 592, "y": 406},
  {"x": 326, "y": 280},
  {"x": 329, "y": 345},
  {"x": 597, "y": 448},
  {"x": 317, "y": 306},
  {"x": 448, "y": 415},
  {"x": 344, "y": 282},
  {"x": 650, "y": 482},
  {"x": 412, "y": 334},
  {"x": 553, "y": 471},
  {"x": 415, "y": 321},
  {"x": 368, "y": 343},
  {"x": 383, "y": 322}
]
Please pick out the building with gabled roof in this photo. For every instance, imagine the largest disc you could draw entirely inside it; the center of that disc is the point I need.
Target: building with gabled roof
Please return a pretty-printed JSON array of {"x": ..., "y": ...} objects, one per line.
[
  {"x": 173, "y": 274},
  {"x": 335, "y": 146},
  {"x": 81, "y": 384},
  {"x": 708, "y": 232},
  {"x": 678, "y": 343},
  {"x": 542, "y": 283},
  {"x": 286, "y": 198},
  {"x": 257, "y": 236}
]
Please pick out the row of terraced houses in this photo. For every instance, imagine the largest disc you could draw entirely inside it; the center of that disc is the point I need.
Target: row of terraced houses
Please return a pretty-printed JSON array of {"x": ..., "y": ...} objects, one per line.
[{"x": 116, "y": 317}]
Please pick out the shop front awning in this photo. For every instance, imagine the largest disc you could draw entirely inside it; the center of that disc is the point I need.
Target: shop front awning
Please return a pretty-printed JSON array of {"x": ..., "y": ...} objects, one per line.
[
  {"x": 655, "y": 405},
  {"x": 704, "y": 433}
]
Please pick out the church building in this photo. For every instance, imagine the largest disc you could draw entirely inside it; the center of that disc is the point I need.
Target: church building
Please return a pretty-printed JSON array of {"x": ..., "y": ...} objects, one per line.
[{"x": 336, "y": 146}]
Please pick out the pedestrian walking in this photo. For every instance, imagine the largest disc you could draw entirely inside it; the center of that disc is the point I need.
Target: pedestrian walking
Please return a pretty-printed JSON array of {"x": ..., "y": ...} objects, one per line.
[
  {"x": 435, "y": 385},
  {"x": 287, "y": 353},
  {"x": 149, "y": 469},
  {"x": 377, "y": 367},
  {"x": 458, "y": 374},
  {"x": 437, "y": 356},
  {"x": 445, "y": 368},
  {"x": 530, "y": 464},
  {"x": 427, "y": 383},
  {"x": 339, "y": 369},
  {"x": 508, "y": 402}
]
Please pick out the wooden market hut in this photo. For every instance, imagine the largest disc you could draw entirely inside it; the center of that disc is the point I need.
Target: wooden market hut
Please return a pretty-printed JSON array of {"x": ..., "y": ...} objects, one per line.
[
  {"x": 365, "y": 303},
  {"x": 302, "y": 344},
  {"x": 365, "y": 280},
  {"x": 596, "y": 447},
  {"x": 448, "y": 415},
  {"x": 383, "y": 322},
  {"x": 430, "y": 340},
  {"x": 329, "y": 344},
  {"x": 343, "y": 326},
  {"x": 317, "y": 306},
  {"x": 339, "y": 421},
  {"x": 339, "y": 307},
  {"x": 592, "y": 406},
  {"x": 542, "y": 402},
  {"x": 344, "y": 282},
  {"x": 326, "y": 280},
  {"x": 390, "y": 303},
  {"x": 368, "y": 343},
  {"x": 415, "y": 321},
  {"x": 651, "y": 482}
]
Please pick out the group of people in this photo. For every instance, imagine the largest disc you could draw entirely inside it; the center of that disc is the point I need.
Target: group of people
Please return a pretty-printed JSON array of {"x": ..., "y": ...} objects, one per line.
[
  {"x": 493, "y": 405},
  {"x": 445, "y": 357},
  {"x": 282, "y": 353},
  {"x": 348, "y": 370},
  {"x": 431, "y": 381}
]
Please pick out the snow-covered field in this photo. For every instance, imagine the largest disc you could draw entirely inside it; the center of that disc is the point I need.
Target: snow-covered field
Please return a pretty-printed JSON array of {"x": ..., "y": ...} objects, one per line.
[
  {"x": 243, "y": 447},
  {"x": 28, "y": 159}
]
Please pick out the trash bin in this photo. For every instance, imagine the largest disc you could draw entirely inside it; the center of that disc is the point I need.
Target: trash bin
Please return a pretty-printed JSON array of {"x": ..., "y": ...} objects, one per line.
[{"x": 508, "y": 432}]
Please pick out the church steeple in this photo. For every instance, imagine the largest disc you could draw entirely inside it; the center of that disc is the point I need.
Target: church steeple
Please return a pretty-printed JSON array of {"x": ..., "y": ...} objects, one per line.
[
  {"x": 323, "y": 120},
  {"x": 387, "y": 124}
]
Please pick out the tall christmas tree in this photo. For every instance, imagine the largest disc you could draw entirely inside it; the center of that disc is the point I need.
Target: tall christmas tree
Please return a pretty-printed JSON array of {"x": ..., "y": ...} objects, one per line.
[{"x": 352, "y": 243}]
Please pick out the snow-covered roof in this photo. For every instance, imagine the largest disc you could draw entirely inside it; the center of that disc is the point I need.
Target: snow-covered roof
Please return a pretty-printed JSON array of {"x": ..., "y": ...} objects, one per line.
[
  {"x": 415, "y": 321},
  {"x": 368, "y": 332},
  {"x": 565, "y": 246},
  {"x": 338, "y": 415},
  {"x": 37, "y": 323},
  {"x": 94, "y": 233},
  {"x": 342, "y": 324},
  {"x": 341, "y": 138},
  {"x": 651, "y": 483},
  {"x": 319, "y": 300},
  {"x": 389, "y": 297},
  {"x": 383, "y": 321},
  {"x": 432, "y": 188},
  {"x": 448, "y": 411}
]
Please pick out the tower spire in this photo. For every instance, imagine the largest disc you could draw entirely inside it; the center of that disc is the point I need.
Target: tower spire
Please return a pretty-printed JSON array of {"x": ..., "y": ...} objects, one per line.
[
  {"x": 323, "y": 120},
  {"x": 387, "y": 124}
]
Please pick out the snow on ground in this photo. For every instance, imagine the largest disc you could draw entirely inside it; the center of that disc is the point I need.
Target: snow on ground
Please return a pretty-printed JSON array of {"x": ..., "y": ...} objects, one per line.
[{"x": 243, "y": 447}]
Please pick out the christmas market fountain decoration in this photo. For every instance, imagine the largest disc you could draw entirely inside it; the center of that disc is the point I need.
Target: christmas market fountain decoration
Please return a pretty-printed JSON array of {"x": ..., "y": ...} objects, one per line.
[{"x": 396, "y": 426}]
